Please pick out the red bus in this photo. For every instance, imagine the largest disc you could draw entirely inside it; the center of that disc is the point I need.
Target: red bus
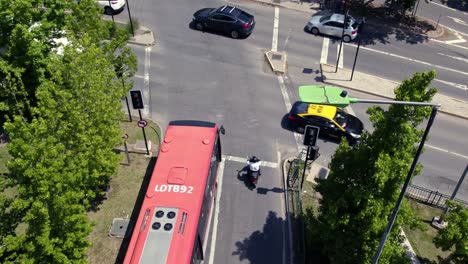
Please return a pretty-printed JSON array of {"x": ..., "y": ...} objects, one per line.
[{"x": 172, "y": 225}]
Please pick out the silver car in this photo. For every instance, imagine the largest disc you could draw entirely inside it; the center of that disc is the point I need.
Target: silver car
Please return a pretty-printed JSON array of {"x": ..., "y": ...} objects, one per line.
[{"x": 333, "y": 25}]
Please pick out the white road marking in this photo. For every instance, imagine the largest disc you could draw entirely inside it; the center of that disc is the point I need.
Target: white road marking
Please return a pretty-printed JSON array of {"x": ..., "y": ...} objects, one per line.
[
  {"x": 459, "y": 21},
  {"x": 274, "y": 41},
  {"x": 340, "y": 62},
  {"x": 455, "y": 41},
  {"x": 412, "y": 60},
  {"x": 450, "y": 44},
  {"x": 244, "y": 160},
  {"x": 139, "y": 76},
  {"x": 456, "y": 85},
  {"x": 216, "y": 216},
  {"x": 146, "y": 90},
  {"x": 324, "y": 55},
  {"x": 287, "y": 102},
  {"x": 454, "y": 30},
  {"x": 444, "y": 6},
  {"x": 453, "y": 57},
  {"x": 446, "y": 151}
]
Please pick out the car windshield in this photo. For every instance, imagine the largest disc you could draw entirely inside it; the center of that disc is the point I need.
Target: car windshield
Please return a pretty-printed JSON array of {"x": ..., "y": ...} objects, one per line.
[
  {"x": 341, "y": 118},
  {"x": 324, "y": 18}
]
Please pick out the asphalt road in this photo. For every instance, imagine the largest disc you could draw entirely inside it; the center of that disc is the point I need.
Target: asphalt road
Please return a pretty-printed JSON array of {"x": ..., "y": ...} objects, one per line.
[
  {"x": 448, "y": 15},
  {"x": 194, "y": 75}
]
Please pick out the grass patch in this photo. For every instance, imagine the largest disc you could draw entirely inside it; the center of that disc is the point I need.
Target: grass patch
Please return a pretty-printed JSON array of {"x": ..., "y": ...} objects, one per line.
[
  {"x": 123, "y": 193},
  {"x": 421, "y": 240}
]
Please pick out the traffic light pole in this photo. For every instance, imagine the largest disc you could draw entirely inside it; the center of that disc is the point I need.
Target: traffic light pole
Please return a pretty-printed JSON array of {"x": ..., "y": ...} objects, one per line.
[
  {"x": 305, "y": 166},
  {"x": 144, "y": 134},
  {"x": 391, "y": 221}
]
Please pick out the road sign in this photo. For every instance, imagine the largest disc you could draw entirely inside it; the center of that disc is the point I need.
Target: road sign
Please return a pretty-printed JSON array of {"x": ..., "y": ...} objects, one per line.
[
  {"x": 311, "y": 135},
  {"x": 142, "y": 123}
]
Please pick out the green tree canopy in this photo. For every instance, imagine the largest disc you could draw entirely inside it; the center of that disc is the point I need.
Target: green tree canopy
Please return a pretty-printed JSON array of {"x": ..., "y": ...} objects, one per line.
[
  {"x": 365, "y": 180},
  {"x": 455, "y": 235}
]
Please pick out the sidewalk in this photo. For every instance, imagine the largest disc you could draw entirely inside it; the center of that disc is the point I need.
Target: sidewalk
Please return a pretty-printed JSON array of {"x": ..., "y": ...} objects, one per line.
[{"x": 382, "y": 87}]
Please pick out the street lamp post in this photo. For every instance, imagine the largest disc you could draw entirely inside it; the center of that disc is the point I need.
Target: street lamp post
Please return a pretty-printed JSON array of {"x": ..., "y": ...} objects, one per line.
[
  {"x": 342, "y": 34},
  {"x": 336, "y": 96},
  {"x": 405, "y": 186}
]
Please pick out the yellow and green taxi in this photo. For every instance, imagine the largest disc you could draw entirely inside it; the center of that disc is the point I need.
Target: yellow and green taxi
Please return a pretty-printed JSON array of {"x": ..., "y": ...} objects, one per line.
[{"x": 331, "y": 120}]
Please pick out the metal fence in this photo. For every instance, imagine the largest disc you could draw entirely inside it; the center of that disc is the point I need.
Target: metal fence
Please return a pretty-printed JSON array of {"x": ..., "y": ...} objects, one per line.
[
  {"x": 294, "y": 178},
  {"x": 434, "y": 198}
]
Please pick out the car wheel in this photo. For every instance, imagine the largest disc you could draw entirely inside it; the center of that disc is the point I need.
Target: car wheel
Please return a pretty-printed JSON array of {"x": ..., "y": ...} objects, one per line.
[
  {"x": 234, "y": 34},
  {"x": 315, "y": 31},
  {"x": 199, "y": 26},
  {"x": 346, "y": 38},
  {"x": 108, "y": 10}
]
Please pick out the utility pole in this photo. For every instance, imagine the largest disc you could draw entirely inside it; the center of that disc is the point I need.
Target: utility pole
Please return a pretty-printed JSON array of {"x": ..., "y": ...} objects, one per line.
[
  {"x": 391, "y": 221},
  {"x": 130, "y": 18},
  {"x": 360, "y": 32},
  {"x": 342, "y": 33},
  {"x": 457, "y": 187}
]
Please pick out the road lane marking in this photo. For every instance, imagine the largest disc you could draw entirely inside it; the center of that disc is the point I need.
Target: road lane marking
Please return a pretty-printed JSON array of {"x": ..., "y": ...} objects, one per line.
[
  {"x": 453, "y": 57},
  {"x": 453, "y": 9},
  {"x": 455, "y": 41},
  {"x": 459, "y": 21},
  {"x": 287, "y": 102},
  {"x": 139, "y": 76},
  {"x": 456, "y": 85},
  {"x": 146, "y": 90},
  {"x": 412, "y": 60},
  {"x": 274, "y": 41},
  {"x": 446, "y": 151},
  {"x": 216, "y": 216},
  {"x": 244, "y": 160},
  {"x": 454, "y": 30},
  {"x": 324, "y": 54},
  {"x": 340, "y": 61},
  {"x": 450, "y": 44}
]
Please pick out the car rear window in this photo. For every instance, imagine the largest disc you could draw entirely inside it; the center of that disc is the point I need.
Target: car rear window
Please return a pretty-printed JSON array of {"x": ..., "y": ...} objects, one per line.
[
  {"x": 241, "y": 15},
  {"x": 299, "y": 108}
]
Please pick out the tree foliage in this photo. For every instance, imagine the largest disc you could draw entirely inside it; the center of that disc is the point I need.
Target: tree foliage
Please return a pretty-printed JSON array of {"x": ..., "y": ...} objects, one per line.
[
  {"x": 63, "y": 111},
  {"x": 365, "y": 180},
  {"x": 455, "y": 235}
]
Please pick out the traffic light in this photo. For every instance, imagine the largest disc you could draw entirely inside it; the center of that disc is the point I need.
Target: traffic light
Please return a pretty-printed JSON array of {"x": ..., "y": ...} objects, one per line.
[
  {"x": 137, "y": 99},
  {"x": 310, "y": 135},
  {"x": 313, "y": 153}
]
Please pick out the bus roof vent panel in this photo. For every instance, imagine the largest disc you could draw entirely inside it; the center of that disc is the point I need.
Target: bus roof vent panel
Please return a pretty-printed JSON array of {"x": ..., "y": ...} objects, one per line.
[
  {"x": 160, "y": 235},
  {"x": 177, "y": 175}
]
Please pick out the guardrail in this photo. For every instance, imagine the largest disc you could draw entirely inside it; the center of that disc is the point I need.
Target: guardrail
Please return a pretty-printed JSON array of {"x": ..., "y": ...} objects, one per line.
[{"x": 433, "y": 198}]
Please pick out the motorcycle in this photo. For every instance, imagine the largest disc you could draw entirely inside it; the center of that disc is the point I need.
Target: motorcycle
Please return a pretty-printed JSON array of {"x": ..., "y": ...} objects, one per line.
[{"x": 253, "y": 171}]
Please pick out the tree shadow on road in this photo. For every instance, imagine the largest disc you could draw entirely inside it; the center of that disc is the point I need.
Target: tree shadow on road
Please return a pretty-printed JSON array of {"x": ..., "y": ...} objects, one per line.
[{"x": 265, "y": 246}]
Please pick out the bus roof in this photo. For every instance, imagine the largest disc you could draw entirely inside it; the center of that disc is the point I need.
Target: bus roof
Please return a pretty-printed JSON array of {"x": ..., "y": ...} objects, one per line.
[{"x": 166, "y": 227}]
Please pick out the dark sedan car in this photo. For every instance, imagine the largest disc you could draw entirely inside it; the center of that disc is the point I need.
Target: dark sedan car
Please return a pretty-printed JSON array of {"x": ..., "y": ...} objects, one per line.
[
  {"x": 227, "y": 19},
  {"x": 332, "y": 121}
]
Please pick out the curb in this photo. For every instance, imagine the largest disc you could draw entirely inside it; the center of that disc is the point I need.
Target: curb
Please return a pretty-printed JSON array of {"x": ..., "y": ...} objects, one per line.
[
  {"x": 150, "y": 42},
  {"x": 283, "y": 6},
  {"x": 441, "y": 109},
  {"x": 286, "y": 203}
]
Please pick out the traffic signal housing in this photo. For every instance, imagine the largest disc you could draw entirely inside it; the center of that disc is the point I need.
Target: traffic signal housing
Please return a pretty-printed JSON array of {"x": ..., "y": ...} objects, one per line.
[
  {"x": 137, "y": 99},
  {"x": 311, "y": 135}
]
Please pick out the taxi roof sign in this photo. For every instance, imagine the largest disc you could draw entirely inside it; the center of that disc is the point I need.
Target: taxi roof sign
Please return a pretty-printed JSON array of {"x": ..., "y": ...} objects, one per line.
[{"x": 327, "y": 111}]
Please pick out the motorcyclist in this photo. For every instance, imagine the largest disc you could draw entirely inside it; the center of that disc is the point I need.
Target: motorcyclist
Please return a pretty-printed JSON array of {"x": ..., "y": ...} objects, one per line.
[{"x": 254, "y": 164}]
